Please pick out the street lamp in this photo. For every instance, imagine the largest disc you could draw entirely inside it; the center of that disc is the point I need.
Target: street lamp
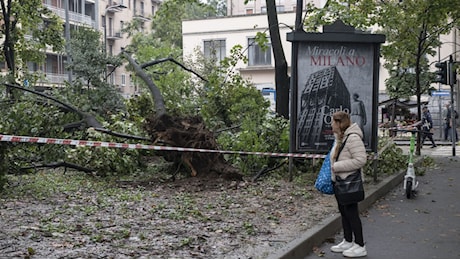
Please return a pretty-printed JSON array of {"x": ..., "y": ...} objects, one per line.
[{"x": 112, "y": 7}]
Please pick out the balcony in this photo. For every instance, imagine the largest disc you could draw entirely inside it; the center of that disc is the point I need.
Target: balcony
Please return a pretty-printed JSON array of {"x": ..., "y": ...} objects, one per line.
[
  {"x": 73, "y": 17},
  {"x": 113, "y": 10},
  {"x": 114, "y": 35},
  {"x": 52, "y": 79},
  {"x": 140, "y": 14}
]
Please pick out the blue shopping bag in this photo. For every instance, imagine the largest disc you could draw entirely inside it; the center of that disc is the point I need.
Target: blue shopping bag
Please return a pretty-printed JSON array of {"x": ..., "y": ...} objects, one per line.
[{"x": 323, "y": 181}]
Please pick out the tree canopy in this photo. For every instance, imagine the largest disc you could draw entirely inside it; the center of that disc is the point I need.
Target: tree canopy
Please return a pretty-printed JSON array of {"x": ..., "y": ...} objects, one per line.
[
  {"x": 27, "y": 29},
  {"x": 412, "y": 27}
]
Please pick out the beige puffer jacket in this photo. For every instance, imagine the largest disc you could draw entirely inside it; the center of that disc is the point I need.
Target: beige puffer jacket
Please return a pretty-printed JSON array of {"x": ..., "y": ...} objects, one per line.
[{"x": 353, "y": 155}]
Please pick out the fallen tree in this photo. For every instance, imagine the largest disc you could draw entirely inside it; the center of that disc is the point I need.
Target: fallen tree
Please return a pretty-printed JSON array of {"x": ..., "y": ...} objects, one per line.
[
  {"x": 187, "y": 132},
  {"x": 163, "y": 129}
]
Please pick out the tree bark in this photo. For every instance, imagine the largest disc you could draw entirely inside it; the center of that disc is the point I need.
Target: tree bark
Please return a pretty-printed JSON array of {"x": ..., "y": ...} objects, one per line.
[
  {"x": 282, "y": 80},
  {"x": 156, "y": 94}
]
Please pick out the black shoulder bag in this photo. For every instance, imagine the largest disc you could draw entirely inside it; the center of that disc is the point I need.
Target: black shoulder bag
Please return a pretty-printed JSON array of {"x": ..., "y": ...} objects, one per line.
[{"x": 349, "y": 190}]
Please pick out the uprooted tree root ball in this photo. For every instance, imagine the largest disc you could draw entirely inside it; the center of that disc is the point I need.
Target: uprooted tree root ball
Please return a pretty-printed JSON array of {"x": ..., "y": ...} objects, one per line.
[{"x": 190, "y": 132}]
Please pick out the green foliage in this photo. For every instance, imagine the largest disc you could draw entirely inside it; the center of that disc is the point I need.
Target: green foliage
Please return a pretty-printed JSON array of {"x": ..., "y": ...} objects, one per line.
[
  {"x": 360, "y": 14},
  {"x": 28, "y": 17},
  {"x": 139, "y": 107},
  {"x": 390, "y": 161},
  {"x": 89, "y": 91},
  {"x": 412, "y": 41},
  {"x": 89, "y": 59},
  {"x": 227, "y": 98},
  {"x": 32, "y": 117},
  {"x": 167, "y": 22},
  {"x": 256, "y": 135},
  {"x": 219, "y": 7},
  {"x": 110, "y": 161},
  {"x": 176, "y": 85},
  {"x": 102, "y": 101},
  {"x": 408, "y": 43},
  {"x": 402, "y": 83},
  {"x": 4, "y": 165}
]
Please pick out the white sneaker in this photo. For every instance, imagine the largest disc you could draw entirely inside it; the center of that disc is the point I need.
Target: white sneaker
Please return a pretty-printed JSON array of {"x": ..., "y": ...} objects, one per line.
[
  {"x": 344, "y": 245},
  {"x": 355, "y": 251}
]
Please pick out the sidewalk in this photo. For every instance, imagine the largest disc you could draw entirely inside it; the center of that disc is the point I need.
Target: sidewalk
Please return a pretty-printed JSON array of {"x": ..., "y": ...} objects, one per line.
[
  {"x": 395, "y": 227},
  {"x": 425, "y": 227}
]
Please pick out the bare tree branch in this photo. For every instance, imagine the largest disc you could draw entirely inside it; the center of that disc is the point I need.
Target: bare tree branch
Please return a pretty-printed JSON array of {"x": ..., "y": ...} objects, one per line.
[
  {"x": 60, "y": 164},
  {"x": 156, "y": 94},
  {"x": 151, "y": 63},
  {"x": 88, "y": 119}
]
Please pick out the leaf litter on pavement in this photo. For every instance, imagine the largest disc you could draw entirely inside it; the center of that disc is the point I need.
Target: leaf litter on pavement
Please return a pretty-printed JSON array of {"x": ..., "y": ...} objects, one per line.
[{"x": 73, "y": 215}]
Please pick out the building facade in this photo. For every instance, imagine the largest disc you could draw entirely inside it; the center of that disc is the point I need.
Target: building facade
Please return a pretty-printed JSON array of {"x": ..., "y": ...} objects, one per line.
[{"x": 107, "y": 16}]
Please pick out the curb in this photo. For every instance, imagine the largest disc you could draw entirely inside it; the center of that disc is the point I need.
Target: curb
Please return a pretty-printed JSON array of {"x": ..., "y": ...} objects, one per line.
[{"x": 303, "y": 245}]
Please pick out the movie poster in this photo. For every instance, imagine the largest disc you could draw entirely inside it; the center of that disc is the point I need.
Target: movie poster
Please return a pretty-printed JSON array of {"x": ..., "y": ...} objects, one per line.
[{"x": 333, "y": 77}]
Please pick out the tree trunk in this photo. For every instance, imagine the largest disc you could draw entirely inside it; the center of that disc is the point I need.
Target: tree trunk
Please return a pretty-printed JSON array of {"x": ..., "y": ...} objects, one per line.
[
  {"x": 156, "y": 94},
  {"x": 281, "y": 67}
]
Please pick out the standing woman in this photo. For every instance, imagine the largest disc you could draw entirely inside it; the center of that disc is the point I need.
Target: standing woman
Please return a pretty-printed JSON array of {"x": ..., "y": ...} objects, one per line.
[{"x": 352, "y": 157}]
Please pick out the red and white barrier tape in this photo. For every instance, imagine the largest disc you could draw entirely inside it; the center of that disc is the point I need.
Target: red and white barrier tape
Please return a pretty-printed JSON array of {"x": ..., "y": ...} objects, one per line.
[{"x": 43, "y": 140}]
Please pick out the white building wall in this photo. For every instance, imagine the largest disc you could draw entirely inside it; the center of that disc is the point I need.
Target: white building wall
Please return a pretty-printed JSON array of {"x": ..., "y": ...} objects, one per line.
[{"x": 237, "y": 7}]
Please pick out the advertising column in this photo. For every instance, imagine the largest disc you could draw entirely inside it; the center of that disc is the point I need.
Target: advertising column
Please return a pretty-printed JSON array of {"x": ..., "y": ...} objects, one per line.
[{"x": 336, "y": 70}]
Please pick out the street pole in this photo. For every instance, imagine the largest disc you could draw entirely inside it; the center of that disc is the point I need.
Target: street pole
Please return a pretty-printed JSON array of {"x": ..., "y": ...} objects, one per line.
[
  {"x": 451, "y": 77},
  {"x": 105, "y": 42},
  {"x": 67, "y": 39},
  {"x": 293, "y": 88}
]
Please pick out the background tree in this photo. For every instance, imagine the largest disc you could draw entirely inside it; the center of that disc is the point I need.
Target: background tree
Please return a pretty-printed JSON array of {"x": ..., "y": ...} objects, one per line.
[
  {"x": 90, "y": 91},
  {"x": 219, "y": 7},
  {"x": 412, "y": 28},
  {"x": 27, "y": 17},
  {"x": 411, "y": 41},
  {"x": 167, "y": 22}
]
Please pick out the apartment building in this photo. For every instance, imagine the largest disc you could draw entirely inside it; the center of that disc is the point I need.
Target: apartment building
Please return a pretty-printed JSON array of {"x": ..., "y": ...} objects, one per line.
[
  {"x": 107, "y": 16},
  {"x": 216, "y": 36}
]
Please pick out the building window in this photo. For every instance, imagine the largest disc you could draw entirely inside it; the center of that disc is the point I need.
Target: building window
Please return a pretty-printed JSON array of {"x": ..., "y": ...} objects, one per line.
[
  {"x": 112, "y": 78},
  {"x": 279, "y": 9},
  {"x": 142, "y": 9},
  {"x": 257, "y": 56},
  {"x": 214, "y": 49},
  {"x": 249, "y": 11},
  {"x": 123, "y": 80}
]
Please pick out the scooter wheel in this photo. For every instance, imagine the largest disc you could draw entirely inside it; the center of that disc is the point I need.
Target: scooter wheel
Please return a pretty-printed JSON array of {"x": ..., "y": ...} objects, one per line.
[{"x": 409, "y": 188}]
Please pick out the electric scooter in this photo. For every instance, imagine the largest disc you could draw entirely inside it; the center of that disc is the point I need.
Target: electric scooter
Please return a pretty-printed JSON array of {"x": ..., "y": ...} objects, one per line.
[{"x": 410, "y": 183}]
